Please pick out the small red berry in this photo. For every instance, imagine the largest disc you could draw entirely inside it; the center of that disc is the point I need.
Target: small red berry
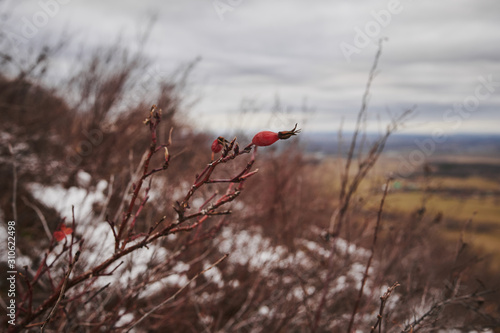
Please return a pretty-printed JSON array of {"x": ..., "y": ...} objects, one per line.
[
  {"x": 267, "y": 138},
  {"x": 218, "y": 144}
]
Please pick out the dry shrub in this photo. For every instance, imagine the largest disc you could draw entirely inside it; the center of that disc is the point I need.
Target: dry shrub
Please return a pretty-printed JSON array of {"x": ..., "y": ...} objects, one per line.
[{"x": 302, "y": 257}]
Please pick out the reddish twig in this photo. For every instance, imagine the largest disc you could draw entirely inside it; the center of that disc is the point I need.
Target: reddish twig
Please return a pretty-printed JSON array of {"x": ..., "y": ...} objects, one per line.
[
  {"x": 97, "y": 293},
  {"x": 204, "y": 177},
  {"x": 153, "y": 121},
  {"x": 61, "y": 292},
  {"x": 139, "y": 210},
  {"x": 122, "y": 239},
  {"x": 30, "y": 291}
]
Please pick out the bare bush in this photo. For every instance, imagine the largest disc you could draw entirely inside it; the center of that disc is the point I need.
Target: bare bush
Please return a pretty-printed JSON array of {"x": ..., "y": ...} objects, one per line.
[{"x": 163, "y": 239}]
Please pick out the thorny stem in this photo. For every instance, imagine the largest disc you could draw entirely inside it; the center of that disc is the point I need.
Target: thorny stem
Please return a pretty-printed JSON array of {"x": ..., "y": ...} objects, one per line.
[
  {"x": 204, "y": 178},
  {"x": 153, "y": 120},
  {"x": 230, "y": 152}
]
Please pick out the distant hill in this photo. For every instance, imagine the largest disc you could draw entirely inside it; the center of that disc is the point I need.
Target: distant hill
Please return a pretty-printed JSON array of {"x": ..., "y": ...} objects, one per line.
[{"x": 459, "y": 144}]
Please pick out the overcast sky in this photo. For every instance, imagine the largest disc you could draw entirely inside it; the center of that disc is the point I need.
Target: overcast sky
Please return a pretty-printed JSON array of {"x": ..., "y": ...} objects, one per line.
[{"x": 442, "y": 56}]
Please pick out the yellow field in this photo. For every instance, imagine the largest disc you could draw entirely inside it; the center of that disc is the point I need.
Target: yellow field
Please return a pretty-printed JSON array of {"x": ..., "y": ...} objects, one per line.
[{"x": 458, "y": 199}]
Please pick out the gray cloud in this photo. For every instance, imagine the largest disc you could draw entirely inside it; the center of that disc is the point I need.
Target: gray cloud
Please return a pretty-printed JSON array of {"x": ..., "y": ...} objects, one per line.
[{"x": 434, "y": 55}]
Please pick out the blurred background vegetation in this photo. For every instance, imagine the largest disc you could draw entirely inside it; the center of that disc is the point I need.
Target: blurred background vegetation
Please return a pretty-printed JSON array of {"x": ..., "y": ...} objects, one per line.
[{"x": 439, "y": 235}]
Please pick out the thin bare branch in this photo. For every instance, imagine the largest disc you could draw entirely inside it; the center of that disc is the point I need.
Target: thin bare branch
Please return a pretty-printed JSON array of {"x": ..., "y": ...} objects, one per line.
[
  {"x": 61, "y": 293},
  {"x": 171, "y": 298},
  {"x": 372, "y": 250},
  {"x": 383, "y": 301}
]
